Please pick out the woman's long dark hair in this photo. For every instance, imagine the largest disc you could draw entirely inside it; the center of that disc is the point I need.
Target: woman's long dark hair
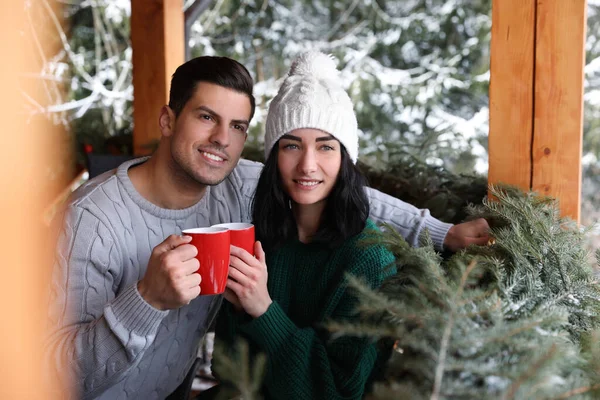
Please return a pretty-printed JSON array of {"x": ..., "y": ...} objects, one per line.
[{"x": 345, "y": 213}]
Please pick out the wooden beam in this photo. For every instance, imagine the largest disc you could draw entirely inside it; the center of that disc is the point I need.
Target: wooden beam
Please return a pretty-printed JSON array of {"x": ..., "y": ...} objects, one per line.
[
  {"x": 511, "y": 92},
  {"x": 536, "y": 97},
  {"x": 157, "y": 40},
  {"x": 558, "y": 115}
]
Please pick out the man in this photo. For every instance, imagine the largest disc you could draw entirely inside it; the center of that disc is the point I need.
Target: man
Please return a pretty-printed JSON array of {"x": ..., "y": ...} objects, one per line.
[{"x": 127, "y": 314}]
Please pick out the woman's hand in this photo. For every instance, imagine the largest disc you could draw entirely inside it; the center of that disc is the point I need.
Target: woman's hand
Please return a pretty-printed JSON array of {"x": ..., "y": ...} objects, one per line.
[
  {"x": 248, "y": 280},
  {"x": 231, "y": 297}
]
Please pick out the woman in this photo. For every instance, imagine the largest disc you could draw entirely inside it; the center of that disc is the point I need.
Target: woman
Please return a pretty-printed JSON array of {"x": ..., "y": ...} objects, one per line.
[{"x": 310, "y": 213}]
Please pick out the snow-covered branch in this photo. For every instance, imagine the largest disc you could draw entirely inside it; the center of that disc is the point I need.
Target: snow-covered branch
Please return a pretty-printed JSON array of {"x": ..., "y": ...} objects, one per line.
[{"x": 99, "y": 75}]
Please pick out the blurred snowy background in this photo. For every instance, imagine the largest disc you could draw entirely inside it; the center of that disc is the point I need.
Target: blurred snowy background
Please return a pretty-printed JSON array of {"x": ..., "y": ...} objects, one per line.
[{"x": 418, "y": 71}]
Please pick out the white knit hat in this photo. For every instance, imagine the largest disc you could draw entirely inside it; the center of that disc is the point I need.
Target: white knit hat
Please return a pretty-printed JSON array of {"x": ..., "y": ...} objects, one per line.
[{"x": 312, "y": 96}]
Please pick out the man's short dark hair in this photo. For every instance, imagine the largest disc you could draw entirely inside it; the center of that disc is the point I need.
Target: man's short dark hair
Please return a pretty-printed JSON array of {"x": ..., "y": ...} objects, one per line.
[{"x": 222, "y": 71}]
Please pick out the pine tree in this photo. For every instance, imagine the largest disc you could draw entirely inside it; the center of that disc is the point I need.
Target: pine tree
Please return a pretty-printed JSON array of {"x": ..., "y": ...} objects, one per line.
[{"x": 512, "y": 320}]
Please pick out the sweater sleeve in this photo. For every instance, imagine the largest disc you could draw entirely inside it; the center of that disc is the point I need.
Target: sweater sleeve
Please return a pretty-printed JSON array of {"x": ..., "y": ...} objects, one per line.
[
  {"x": 305, "y": 363},
  {"x": 94, "y": 337},
  {"x": 408, "y": 220}
]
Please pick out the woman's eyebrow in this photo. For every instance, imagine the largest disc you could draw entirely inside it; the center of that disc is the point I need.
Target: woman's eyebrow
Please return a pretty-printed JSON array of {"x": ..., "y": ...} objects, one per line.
[
  {"x": 325, "y": 138},
  {"x": 298, "y": 139},
  {"x": 292, "y": 137}
]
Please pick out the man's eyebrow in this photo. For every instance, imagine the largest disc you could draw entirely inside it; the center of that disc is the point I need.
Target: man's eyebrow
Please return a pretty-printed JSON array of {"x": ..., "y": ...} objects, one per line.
[
  {"x": 216, "y": 115},
  {"x": 240, "y": 121},
  {"x": 319, "y": 139},
  {"x": 208, "y": 110}
]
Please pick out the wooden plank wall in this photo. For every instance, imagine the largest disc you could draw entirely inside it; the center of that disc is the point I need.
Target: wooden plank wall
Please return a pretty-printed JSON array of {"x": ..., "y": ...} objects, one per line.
[
  {"x": 157, "y": 39},
  {"x": 536, "y": 97}
]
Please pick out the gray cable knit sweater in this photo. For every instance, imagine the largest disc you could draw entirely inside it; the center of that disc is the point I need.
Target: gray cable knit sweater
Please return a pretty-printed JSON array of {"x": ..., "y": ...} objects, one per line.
[{"x": 101, "y": 331}]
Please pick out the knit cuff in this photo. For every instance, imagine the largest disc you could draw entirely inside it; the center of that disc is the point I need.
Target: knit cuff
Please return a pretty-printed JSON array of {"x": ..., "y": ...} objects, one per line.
[
  {"x": 437, "y": 230},
  {"x": 134, "y": 314},
  {"x": 271, "y": 330}
]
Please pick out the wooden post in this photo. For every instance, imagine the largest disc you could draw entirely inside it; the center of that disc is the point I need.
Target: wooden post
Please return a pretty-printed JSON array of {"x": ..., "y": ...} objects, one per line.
[
  {"x": 536, "y": 97},
  {"x": 28, "y": 149},
  {"x": 157, "y": 40},
  {"x": 558, "y": 115},
  {"x": 511, "y": 92}
]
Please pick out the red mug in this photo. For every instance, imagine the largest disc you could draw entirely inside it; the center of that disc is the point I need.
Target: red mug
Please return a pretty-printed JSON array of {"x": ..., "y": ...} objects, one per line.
[
  {"x": 242, "y": 235},
  {"x": 213, "y": 254}
]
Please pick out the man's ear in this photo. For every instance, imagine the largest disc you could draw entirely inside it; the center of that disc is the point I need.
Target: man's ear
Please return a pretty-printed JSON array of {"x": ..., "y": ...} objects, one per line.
[{"x": 166, "y": 121}]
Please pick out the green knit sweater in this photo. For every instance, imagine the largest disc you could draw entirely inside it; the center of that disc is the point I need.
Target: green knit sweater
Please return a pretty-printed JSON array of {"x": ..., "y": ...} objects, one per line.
[{"x": 308, "y": 287}]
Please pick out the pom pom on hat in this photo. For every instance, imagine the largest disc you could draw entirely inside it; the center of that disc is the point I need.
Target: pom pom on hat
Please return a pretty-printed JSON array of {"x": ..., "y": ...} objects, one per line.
[
  {"x": 315, "y": 64},
  {"x": 312, "y": 96}
]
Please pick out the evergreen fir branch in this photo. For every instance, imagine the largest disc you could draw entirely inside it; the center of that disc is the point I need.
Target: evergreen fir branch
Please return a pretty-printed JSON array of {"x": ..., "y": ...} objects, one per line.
[
  {"x": 579, "y": 390},
  {"x": 341, "y": 329},
  {"x": 504, "y": 335},
  {"x": 374, "y": 302},
  {"x": 396, "y": 391},
  {"x": 479, "y": 297},
  {"x": 238, "y": 371},
  {"x": 590, "y": 345},
  {"x": 484, "y": 311},
  {"x": 581, "y": 318},
  {"x": 531, "y": 371},
  {"x": 473, "y": 325},
  {"x": 439, "y": 371},
  {"x": 552, "y": 259},
  {"x": 432, "y": 295}
]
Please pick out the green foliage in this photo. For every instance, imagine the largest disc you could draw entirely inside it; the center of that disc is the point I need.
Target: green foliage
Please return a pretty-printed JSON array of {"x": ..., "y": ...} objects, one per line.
[
  {"x": 512, "y": 320},
  {"x": 542, "y": 256},
  {"x": 442, "y": 192},
  {"x": 238, "y": 372}
]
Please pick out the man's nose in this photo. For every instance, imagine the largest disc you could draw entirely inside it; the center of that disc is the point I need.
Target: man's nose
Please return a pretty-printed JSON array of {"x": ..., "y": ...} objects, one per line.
[{"x": 220, "y": 135}]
